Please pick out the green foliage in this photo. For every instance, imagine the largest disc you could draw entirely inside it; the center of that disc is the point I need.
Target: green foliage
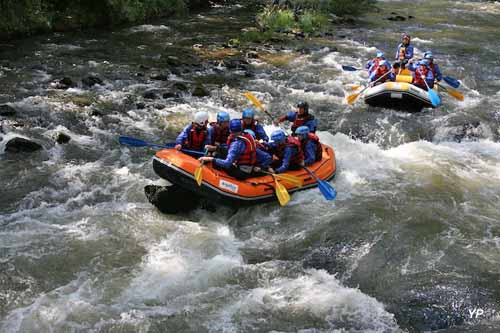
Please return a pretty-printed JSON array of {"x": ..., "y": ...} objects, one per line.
[
  {"x": 312, "y": 21},
  {"x": 276, "y": 19},
  {"x": 26, "y": 16},
  {"x": 337, "y": 7}
]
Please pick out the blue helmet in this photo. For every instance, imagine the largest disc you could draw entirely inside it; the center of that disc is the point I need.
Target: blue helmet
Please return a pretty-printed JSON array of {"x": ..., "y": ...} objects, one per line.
[
  {"x": 222, "y": 116},
  {"x": 235, "y": 125},
  {"x": 249, "y": 131},
  {"x": 428, "y": 55},
  {"x": 424, "y": 62},
  {"x": 278, "y": 136},
  {"x": 302, "y": 130},
  {"x": 380, "y": 54},
  {"x": 248, "y": 113}
]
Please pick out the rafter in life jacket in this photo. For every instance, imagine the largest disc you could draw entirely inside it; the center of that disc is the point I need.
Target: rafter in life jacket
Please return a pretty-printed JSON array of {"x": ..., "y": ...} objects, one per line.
[
  {"x": 300, "y": 120},
  {"x": 293, "y": 143},
  {"x": 319, "y": 148},
  {"x": 249, "y": 155},
  {"x": 196, "y": 137}
]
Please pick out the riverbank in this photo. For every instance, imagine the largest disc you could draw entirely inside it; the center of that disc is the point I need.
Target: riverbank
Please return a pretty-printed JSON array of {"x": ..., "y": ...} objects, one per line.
[{"x": 30, "y": 17}]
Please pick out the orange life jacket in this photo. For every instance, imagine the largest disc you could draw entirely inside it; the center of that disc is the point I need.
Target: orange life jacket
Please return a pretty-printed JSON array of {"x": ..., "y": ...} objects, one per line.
[{"x": 249, "y": 155}]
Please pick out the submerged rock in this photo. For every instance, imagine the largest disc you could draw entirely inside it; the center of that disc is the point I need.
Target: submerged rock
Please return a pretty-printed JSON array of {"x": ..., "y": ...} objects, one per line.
[
  {"x": 92, "y": 80},
  {"x": 62, "y": 138},
  {"x": 200, "y": 91},
  {"x": 7, "y": 111},
  {"x": 17, "y": 145},
  {"x": 171, "y": 199}
]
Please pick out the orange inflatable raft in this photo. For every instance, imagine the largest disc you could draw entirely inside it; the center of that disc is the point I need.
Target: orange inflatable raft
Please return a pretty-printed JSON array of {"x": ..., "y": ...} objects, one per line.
[{"x": 218, "y": 187}]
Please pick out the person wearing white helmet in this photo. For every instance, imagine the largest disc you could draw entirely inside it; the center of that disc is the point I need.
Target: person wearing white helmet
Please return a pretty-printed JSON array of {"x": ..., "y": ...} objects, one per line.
[
  {"x": 382, "y": 73},
  {"x": 195, "y": 135}
]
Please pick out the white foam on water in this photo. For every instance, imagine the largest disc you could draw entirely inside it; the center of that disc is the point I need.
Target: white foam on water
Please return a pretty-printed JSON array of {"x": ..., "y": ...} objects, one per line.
[
  {"x": 314, "y": 296},
  {"x": 149, "y": 28}
]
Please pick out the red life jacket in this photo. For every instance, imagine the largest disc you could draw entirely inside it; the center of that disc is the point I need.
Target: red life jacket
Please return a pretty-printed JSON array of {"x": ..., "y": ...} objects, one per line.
[
  {"x": 249, "y": 156},
  {"x": 293, "y": 142},
  {"x": 220, "y": 134},
  {"x": 319, "y": 148},
  {"x": 252, "y": 126},
  {"x": 196, "y": 139},
  {"x": 301, "y": 120},
  {"x": 379, "y": 72},
  {"x": 417, "y": 80}
]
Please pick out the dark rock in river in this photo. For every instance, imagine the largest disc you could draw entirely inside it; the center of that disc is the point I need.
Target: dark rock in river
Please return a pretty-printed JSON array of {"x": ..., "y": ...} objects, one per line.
[
  {"x": 17, "y": 145},
  {"x": 180, "y": 86},
  {"x": 7, "y": 111},
  {"x": 171, "y": 199},
  {"x": 150, "y": 94},
  {"x": 92, "y": 80},
  {"x": 396, "y": 18},
  {"x": 140, "y": 105},
  {"x": 200, "y": 91},
  {"x": 62, "y": 138}
]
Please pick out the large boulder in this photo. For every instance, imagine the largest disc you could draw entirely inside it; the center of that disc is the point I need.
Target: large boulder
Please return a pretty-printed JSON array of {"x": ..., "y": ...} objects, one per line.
[
  {"x": 171, "y": 199},
  {"x": 17, "y": 145}
]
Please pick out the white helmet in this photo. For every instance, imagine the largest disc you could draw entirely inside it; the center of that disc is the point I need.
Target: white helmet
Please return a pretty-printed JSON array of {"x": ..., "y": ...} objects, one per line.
[
  {"x": 383, "y": 63},
  {"x": 201, "y": 117}
]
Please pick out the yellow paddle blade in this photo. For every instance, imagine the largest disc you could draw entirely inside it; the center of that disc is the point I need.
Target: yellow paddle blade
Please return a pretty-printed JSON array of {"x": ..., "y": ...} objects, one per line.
[
  {"x": 352, "y": 98},
  {"x": 455, "y": 94},
  {"x": 404, "y": 78},
  {"x": 254, "y": 100},
  {"x": 281, "y": 193},
  {"x": 354, "y": 87},
  {"x": 197, "y": 175},
  {"x": 293, "y": 180}
]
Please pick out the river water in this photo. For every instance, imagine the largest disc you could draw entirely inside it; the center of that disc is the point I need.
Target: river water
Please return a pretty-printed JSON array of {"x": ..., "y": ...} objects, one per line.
[{"x": 411, "y": 243}]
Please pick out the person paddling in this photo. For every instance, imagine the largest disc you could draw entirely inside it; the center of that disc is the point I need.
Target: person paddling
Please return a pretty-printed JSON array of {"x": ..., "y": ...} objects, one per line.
[
  {"x": 195, "y": 135},
  {"x": 219, "y": 132},
  {"x": 288, "y": 151},
  {"x": 433, "y": 66},
  {"x": 380, "y": 73},
  {"x": 310, "y": 145},
  {"x": 373, "y": 64},
  {"x": 241, "y": 156},
  {"x": 301, "y": 117},
  {"x": 423, "y": 73},
  {"x": 248, "y": 122}
]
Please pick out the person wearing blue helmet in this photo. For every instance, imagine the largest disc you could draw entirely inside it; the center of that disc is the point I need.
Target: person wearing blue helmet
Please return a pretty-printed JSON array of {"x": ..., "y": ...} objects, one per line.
[
  {"x": 299, "y": 118},
  {"x": 423, "y": 74},
  {"x": 432, "y": 66},
  {"x": 219, "y": 132},
  {"x": 313, "y": 151},
  {"x": 248, "y": 122},
  {"x": 404, "y": 51},
  {"x": 241, "y": 156},
  {"x": 195, "y": 135},
  {"x": 373, "y": 64},
  {"x": 382, "y": 73},
  {"x": 288, "y": 151}
]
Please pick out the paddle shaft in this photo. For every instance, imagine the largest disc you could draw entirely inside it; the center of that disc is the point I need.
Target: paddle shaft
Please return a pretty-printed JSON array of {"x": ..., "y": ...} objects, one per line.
[{"x": 371, "y": 83}]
